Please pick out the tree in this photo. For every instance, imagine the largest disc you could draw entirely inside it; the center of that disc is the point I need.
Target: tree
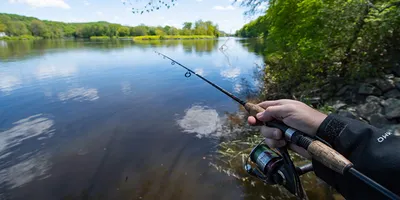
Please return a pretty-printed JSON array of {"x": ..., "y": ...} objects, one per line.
[
  {"x": 187, "y": 25},
  {"x": 17, "y": 28},
  {"x": 123, "y": 31},
  {"x": 2, "y": 27},
  {"x": 38, "y": 28}
]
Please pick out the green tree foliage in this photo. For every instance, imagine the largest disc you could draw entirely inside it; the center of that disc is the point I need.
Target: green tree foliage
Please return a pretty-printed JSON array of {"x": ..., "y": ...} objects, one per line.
[
  {"x": 16, "y": 25},
  {"x": 123, "y": 31},
  {"x": 314, "y": 42}
]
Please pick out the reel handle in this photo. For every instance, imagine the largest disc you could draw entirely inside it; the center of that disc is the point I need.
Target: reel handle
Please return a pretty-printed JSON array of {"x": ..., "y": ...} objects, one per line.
[{"x": 318, "y": 150}]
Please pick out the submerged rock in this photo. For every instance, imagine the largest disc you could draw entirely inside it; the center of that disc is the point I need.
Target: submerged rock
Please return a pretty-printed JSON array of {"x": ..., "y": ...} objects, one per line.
[
  {"x": 368, "y": 89},
  {"x": 392, "y": 108}
]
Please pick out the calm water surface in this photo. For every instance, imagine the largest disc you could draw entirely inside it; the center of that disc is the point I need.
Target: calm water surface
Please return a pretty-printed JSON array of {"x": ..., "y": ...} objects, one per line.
[{"x": 112, "y": 120}]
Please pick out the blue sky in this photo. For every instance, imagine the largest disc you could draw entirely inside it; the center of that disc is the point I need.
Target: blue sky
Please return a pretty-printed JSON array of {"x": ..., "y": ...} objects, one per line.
[{"x": 229, "y": 17}]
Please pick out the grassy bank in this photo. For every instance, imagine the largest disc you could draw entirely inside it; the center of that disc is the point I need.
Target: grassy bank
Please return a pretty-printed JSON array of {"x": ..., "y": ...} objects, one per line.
[
  {"x": 107, "y": 37},
  {"x": 173, "y": 37},
  {"x": 22, "y": 37}
]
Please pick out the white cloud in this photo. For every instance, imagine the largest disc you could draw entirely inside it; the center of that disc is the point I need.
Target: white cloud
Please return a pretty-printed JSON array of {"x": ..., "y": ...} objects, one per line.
[
  {"x": 99, "y": 13},
  {"x": 79, "y": 94},
  {"x": 43, "y": 3},
  {"x": 199, "y": 0},
  {"x": 86, "y": 3},
  {"x": 224, "y": 7}
]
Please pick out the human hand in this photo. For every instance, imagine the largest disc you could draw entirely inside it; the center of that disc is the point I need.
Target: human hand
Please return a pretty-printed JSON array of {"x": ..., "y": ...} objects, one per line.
[{"x": 294, "y": 114}]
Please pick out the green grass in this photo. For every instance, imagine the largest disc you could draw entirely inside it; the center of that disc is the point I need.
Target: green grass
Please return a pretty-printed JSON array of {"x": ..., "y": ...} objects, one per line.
[
  {"x": 173, "y": 37},
  {"x": 22, "y": 37},
  {"x": 107, "y": 37}
]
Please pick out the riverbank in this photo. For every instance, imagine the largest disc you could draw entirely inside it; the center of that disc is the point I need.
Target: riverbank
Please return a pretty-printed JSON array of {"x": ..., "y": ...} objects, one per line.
[
  {"x": 22, "y": 37},
  {"x": 173, "y": 37}
]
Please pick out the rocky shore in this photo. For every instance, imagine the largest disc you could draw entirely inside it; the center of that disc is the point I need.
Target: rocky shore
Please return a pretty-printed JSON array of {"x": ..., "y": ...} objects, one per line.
[{"x": 376, "y": 101}]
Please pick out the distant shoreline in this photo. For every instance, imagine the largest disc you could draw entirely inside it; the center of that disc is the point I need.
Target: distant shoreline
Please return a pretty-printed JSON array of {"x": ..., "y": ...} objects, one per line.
[{"x": 137, "y": 38}]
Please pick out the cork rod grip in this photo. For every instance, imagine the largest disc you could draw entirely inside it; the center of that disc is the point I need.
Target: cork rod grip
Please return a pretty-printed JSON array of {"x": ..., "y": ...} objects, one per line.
[
  {"x": 253, "y": 109},
  {"x": 329, "y": 157}
]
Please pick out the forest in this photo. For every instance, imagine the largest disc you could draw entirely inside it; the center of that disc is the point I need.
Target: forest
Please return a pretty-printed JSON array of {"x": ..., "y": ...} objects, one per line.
[
  {"x": 312, "y": 43},
  {"x": 27, "y": 27}
]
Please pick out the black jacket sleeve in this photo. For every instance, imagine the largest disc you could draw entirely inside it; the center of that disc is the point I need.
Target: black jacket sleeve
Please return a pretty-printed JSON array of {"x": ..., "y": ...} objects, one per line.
[{"x": 374, "y": 152}]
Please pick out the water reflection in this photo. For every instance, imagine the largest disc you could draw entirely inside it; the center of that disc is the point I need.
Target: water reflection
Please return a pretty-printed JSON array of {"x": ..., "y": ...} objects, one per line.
[
  {"x": 126, "y": 88},
  {"x": 230, "y": 73},
  {"x": 8, "y": 83},
  {"x": 44, "y": 71},
  {"x": 202, "y": 121},
  {"x": 28, "y": 162},
  {"x": 79, "y": 94},
  {"x": 29, "y": 168}
]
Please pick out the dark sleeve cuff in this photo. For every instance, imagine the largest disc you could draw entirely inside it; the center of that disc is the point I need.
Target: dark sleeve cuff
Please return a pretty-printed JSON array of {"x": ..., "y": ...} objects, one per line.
[{"x": 331, "y": 128}]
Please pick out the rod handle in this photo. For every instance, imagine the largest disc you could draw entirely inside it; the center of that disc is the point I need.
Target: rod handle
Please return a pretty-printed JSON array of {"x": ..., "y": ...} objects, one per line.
[
  {"x": 329, "y": 157},
  {"x": 318, "y": 150}
]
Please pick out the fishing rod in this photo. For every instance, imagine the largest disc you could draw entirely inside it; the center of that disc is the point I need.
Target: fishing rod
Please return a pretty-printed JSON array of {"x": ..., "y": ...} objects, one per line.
[{"x": 273, "y": 168}]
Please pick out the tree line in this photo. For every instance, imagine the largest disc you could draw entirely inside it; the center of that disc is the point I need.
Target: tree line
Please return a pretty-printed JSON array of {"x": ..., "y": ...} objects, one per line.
[
  {"x": 17, "y": 25},
  {"x": 310, "y": 43}
]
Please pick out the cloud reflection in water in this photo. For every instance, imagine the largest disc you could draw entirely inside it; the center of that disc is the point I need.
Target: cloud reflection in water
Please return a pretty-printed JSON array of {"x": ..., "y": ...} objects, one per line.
[
  {"x": 52, "y": 71},
  {"x": 230, "y": 73},
  {"x": 79, "y": 94},
  {"x": 8, "y": 83},
  {"x": 202, "y": 121},
  {"x": 17, "y": 170}
]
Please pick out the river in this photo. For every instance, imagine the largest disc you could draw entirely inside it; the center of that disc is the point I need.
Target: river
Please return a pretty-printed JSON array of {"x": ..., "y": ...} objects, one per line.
[{"x": 113, "y": 120}]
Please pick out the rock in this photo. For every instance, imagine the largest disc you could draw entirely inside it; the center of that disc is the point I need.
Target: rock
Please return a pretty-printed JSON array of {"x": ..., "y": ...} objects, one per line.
[
  {"x": 396, "y": 69},
  {"x": 379, "y": 120},
  {"x": 342, "y": 90},
  {"x": 394, "y": 129},
  {"x": 373, "y": 99},
  {"x": 345, "y": 113},
  {"x": 384, "y": 85},
  {"x": 392, "y": 108},
  {"x": 368, "y": 109},
  {"x": 338, "y": 105},
  {"x": 368, "y": 89},
  {"x": 397, "y": 85},
  {"x": 394, "y": 93}
]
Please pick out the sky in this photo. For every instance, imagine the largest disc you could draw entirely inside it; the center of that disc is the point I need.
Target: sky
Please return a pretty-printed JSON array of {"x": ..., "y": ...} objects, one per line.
[{"x": 229, "y": 17}]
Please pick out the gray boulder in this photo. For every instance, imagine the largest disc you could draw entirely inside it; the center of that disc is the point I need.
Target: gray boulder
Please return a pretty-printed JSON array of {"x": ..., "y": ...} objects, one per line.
[
  {"x": 343, "y": 90},
  {"x": 346, "y": 113},
  {"x": 392, "y": 108},
  {"x": 394, "y": 93},
  {"x": 384, "y": 85},
  {"x": 379, "y": 120},
  {"x": 397, "y": 85},
  {"x": 373, "y": 99},
  {"x": 338, "y": 105},
  {"x": 368, "y": 89},
  {"x": 368, "y": 109}
]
